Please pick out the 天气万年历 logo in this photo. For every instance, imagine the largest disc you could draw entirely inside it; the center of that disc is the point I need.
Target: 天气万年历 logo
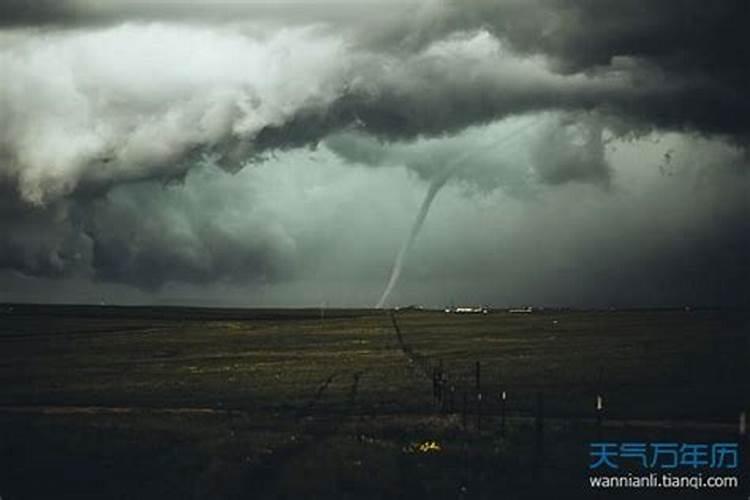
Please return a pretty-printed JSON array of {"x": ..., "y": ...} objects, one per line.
[{"x": 663, "y": 455}]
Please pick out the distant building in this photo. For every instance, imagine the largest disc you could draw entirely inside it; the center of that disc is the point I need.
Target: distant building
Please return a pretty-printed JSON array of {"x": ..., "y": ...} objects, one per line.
[
  {"x": 467, "y": 310},
  {"x": 526, "y": 310},
  {"x": 413, "y": 307}
]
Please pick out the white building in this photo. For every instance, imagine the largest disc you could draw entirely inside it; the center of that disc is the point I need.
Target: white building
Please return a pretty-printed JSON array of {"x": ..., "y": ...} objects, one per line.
[{"x": 526, "y": 310}]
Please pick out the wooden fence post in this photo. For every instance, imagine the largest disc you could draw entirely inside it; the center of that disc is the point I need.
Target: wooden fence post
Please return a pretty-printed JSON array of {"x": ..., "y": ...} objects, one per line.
[{"x": 503, "y": 397}]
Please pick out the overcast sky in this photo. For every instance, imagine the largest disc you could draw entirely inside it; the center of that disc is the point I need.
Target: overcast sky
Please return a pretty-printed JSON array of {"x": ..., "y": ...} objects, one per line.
[{"x": 278, "y": 153}]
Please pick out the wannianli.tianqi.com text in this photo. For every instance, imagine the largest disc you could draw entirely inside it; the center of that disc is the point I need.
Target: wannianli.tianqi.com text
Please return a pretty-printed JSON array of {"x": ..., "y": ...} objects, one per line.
[{"x": 667, "y": 481}]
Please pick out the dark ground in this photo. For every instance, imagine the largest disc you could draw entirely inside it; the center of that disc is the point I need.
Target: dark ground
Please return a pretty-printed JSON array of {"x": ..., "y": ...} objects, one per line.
[{"x": 105, "y": 402}]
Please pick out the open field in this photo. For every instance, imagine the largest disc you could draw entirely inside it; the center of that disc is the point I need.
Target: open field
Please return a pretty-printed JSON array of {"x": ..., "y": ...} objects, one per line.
[{"x": 200, "y": 403}]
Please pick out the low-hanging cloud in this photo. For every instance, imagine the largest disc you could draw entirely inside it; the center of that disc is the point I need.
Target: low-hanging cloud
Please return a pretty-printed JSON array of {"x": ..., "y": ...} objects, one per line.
[
  {"x": 308, "y": 227},
  {"x": 571, "y": 150}
]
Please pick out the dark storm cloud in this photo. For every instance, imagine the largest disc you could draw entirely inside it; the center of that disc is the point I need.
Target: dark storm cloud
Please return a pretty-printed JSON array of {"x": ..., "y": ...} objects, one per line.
[
  {"x": 146, "y": 235},
  {"x": 635, "y": 65},
  {"x": 699, "y": 47},
  {"x": 140, "y": 243},
  {"x": 39, "y": 241},
  {"x": 101, "y": 13},
  {"x": 34, "y": 12},
  {"x": 685, "y": 59},
  {"x": 104, "y": 101}
]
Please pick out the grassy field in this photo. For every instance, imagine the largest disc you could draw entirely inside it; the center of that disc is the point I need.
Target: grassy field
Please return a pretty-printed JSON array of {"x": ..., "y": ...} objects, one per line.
[{"x": 210, "y": 403}]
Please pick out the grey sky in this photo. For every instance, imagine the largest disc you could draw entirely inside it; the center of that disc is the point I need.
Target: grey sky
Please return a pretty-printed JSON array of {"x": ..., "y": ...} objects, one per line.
[{"x": 250, "y": 153}]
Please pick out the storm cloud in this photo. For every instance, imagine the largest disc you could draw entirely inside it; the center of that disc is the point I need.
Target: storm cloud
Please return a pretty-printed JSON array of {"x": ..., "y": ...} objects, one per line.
[{"x": 137, "y": 142}]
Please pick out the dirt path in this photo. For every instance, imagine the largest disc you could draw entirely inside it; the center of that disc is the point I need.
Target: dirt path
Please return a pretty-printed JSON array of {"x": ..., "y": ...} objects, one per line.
[{"x": 415, "y": 359}]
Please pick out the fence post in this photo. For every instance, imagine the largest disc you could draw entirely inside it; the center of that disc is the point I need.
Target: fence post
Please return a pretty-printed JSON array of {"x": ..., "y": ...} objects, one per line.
[{"x": 503, "y": 397}]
